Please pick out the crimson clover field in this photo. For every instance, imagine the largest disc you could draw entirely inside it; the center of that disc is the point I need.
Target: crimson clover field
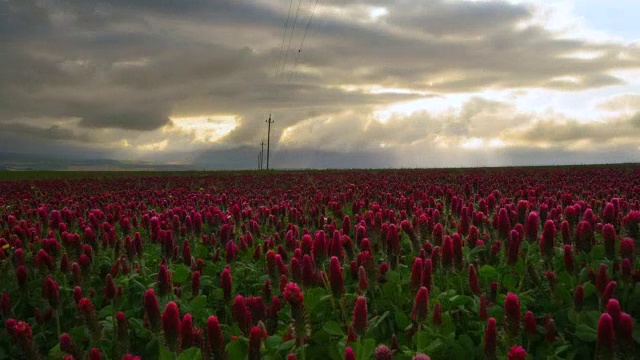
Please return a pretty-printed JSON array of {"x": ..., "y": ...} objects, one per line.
[{"x": 503, "y": 263}]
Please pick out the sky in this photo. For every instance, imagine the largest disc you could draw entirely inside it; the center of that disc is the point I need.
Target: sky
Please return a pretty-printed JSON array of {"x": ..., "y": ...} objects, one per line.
[{"x": 379, "y": 83}]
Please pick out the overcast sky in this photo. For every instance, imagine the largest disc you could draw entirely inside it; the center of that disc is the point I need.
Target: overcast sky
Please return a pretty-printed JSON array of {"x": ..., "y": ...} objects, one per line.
[{"x": 380, "y": 83}]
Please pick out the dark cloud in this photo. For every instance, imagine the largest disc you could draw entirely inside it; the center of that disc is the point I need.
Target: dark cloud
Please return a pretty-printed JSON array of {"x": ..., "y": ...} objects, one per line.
[
  {"x": 22, "y": 19},
  {"x": 49, "y": 133},
  {"x": 246, "y": 158},
  {"x": 561, "y": 131},
  {"x": 123, "y": 65},
  {"x": 135, "y": 119},
  {"x": 459, "y": 18}
]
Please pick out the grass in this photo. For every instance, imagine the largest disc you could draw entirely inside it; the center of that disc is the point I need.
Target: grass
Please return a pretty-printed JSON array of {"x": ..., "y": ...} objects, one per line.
[{"x": 68, "y": 175}]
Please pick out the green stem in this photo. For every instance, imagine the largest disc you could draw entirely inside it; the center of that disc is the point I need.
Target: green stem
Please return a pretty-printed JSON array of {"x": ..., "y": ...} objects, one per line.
[
  {"x": 58, "y": 332},
  {"x": 526, "y": 259},
  {"x": 343, "y": 312},
  {"x": 115, "y": 331}
]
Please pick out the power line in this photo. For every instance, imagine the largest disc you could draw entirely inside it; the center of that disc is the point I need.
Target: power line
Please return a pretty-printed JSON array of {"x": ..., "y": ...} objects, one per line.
[
  {"x": 303, "y": 38},
  {"x": 295, "y": 21},
  {"x": 268, "y": 121},
  {"x": 284, "y": 36}
]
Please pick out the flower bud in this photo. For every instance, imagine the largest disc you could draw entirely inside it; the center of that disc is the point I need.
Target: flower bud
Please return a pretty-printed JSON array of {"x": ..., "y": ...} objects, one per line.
[
  {"x": 512, "y": 314},
  {"x": 359, "y": 320},
  {"x": 215, "y": 338},
  {"x": 415, "y": 279},
  {"x": 151, "y": 309},
  {"x": 516, "y": 353},
  {"x": 349, "y": 354},
  {"x": 482, "y": 312},
  {"x": 195, "y": 283},
  {"x": 427, "y": 273},
  {"x": 383, "y": 353},
  {"x": 171, "y": 325},
  {"x": 490, "y": 338},
  {"x": 609, "y": 292},
  {"x": 606, "y": 335},
  {"x": 609, "y": 236},
  {"x": 164, "y": 281},
  {"x": 420, "y": 305},
  {"x": 530, "y": 324},
  {"x": 603, "y": 279},
  {"x": 255, "y": 343},
  {"x": 437, "y": 314},
  {"x": 241, "y": 314},
  {"x": 363, "y": 282},
  {"x": 336, "y": 278},
  {"x": 568, "y": 258},
  {"x": 186, "y": 331},
  {"x": 225, "y": 283}
]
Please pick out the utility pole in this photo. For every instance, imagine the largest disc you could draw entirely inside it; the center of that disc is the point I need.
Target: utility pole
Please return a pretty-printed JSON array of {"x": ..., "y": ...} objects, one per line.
[
  {"x": 261, "y": 153},
  {"x": 268, "y": 121}
]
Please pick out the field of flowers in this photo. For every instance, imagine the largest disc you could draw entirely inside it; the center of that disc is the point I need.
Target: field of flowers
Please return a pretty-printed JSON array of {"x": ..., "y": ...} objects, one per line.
[{"x": 518, "y": 263}]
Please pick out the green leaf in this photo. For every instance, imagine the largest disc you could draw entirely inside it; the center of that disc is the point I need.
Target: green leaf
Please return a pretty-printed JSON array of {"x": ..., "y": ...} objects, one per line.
[
  {"x": 237, "y": 349},
  {"x": 422, "y": 339},
  {"x": 287, "y": 345},
  {"x": 201, "y": 251},
  {"x": 586, "y": 333},
  {"x": 313, "y": 297},
  {"x": 106, "y": 311},
  {"x": 510, "y": 281},
  {"x": 365, "y": 349},
  {"x": 78, "y": 333},
  {"x": 466, "y": 342},
  {"x": 180, "y": 274},
  {"x": 460, "y": 300},
  {"x": 564, "y": 294},
  {"x": 476, "y": 250},
  {"x": 561, "y": 349},
  {"x": 393, "y": 276},
  {"x": 273, "y": 342},
  {"x": 433, "y": 347},
  {"x": 333, "y": 328},
  {"x": 165, "y": 354},
  {"x": 636, "y": 335},
  {"x": 572, "y": 315},
  {"x": 190, "y": 353},
  {"x": 390, "y": 290},
  {"x": 566, "y": 279},
  {"x": 597, "y": 252},
  {"x": 375, "y": 322},
  {"x": 590, "y": 318},
  {"x": 589, "y": 289},
  {"x": 488, "y": 273},
  {"x": 55, "y": 352},
  {"x": 402, "y": 320},
  {"x": 216, "y": 294},
  {"x": 198, "y": 305},
  {"x": 153, "y": 348},
  {"x": 459, "y": 352}
]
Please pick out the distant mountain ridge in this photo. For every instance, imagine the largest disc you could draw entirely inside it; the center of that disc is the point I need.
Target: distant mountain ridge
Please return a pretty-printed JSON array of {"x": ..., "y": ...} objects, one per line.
[{"x": 26, "y": 162}]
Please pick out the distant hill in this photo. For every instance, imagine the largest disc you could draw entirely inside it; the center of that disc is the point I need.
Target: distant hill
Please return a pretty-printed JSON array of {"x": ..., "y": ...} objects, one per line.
[{"x": 28, "y": 162}]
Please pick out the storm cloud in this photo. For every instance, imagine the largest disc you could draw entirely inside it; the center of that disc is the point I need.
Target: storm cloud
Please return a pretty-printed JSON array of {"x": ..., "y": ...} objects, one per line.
[{"x": 117, "y": 78}]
